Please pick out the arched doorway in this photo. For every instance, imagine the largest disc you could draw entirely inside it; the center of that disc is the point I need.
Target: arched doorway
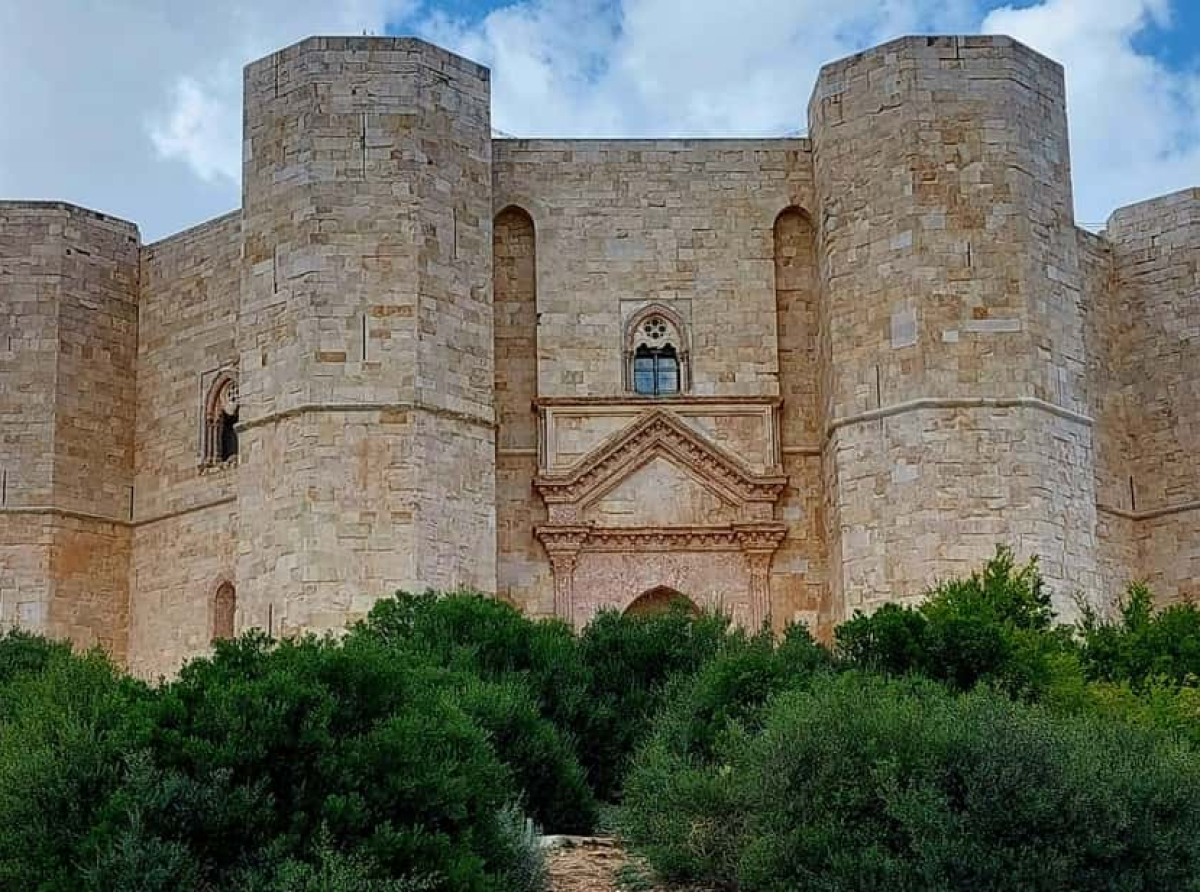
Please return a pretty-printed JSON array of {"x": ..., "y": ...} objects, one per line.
[{"x": 659, "y": 600}]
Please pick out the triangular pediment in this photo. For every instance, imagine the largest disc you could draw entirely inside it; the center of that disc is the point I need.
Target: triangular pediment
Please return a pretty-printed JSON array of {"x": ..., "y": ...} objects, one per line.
[
  {"x": 659, "y": 435},
  {"x": 658, "y": 493}
]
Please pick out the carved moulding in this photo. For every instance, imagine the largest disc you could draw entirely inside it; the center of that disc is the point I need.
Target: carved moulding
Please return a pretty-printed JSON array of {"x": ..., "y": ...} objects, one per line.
[
  {"x": 660, "y": 432},
  {"x": 755, "y": 535}
]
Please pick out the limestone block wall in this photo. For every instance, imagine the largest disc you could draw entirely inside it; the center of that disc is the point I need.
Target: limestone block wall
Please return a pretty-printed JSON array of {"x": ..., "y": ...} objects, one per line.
[
  {"x": 30, "y": 234},
  {"x": 951, "y": 306},
  {"x": 1156, "y": 251},
  {"x": 365, "y": 330},
  {"x": 689, "y": 225},
  {"x": 624, "y": 223},
  {"x": 185, "y": 531},
  {"x": 69, "y": 281},
  {"x": 1109, "y": 343}
]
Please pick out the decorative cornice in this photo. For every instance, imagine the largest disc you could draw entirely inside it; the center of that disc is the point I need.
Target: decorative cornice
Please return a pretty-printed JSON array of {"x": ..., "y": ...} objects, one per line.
[
  {"x": 407, "y": 406},
  {"x": 659, "y": 433},
  {"x": 750, "y": 538},
  {"x": 970, "y": 402}
]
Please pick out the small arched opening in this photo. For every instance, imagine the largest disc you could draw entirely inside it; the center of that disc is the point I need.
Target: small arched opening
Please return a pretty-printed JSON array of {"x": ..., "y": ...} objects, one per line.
[
  {"x": 661, "y": 599},
  {"x": 224, "y": 612}
]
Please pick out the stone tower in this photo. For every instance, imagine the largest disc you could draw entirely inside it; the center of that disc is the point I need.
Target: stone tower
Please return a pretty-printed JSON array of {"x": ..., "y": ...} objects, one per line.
[
  {"x": 951, "y": 315},
  {"x": 68, "y": 281},
  {"x": 364, "y": 330}
]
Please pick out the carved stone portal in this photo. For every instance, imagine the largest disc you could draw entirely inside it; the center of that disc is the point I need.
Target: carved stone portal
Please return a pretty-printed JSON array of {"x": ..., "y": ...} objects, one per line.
[{"x": 660, "y": 505}]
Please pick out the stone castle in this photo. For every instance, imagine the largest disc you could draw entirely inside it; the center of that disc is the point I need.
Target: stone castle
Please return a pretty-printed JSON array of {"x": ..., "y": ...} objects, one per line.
[{"x": 789, "y": 378}]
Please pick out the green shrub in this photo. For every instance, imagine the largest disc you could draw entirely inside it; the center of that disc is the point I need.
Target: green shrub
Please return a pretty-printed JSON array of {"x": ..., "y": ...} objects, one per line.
[
  {"x": 857, "y": 782},
  {"x": 355, "y": 738},
  {"x": 1142, "y": 645},
  {"x": 630, "y": 660},
  {"x": 600, "y": 689},
  {"x": 542, "y": 761},
  {"x": 486, "y": 636},
  {"x": 24, "y": 653},
  {"x": 63, "y": 737},
  {"x": 537, "y": 704},
  {"x": 996, "y": 626},
  {"x": 678, "y": 797},
  {"x": 732, "y": 687},
  {"x": 243, "y": 771}
]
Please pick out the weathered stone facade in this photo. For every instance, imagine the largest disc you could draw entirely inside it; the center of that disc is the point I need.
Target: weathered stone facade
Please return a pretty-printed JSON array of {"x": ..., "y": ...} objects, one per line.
[{"x": 788, "y": 378}]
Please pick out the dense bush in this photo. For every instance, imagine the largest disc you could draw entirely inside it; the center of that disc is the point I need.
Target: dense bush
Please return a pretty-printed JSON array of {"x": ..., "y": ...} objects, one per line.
[
  {"x": 492, "y": 639},
  {"x": 965, "y": 743},
  {"x": 232, "y": 775},
  {"x": 995, "y": 626},
  {"x": 601, "y": 689},
  {"x": 543, "y": 763},
  {"x": 856, "y": 782},
  {"x": 1142, "y": 646},
  {"x": 678, "y": 789},
  {"x": 630, "y": 661},
  {"x": 733, "y": 686},
  {"x": 63, "y": 740}
]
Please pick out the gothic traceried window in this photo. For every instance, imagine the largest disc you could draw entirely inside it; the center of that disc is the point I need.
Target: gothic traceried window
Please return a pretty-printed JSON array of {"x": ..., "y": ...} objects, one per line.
[
  {"x": 656, "y": 354},
  {"x": 220, "y": 421}
]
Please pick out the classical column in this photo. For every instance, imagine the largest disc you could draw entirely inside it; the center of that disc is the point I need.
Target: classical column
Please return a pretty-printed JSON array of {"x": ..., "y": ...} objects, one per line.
[
  {"x": 758, "y": 567},
  {"x": 563, "y": 564},
  {"x": 759, "y": 543},
  {"x": 562, "y": 544}
]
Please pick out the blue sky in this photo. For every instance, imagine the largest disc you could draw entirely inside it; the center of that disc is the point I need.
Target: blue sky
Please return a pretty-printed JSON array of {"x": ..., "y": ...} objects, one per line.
[{"x": 135, "y": 108}]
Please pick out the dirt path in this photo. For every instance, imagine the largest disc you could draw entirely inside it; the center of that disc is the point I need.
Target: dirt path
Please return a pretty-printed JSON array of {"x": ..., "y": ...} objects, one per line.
[{"x": 584, "y": 864}]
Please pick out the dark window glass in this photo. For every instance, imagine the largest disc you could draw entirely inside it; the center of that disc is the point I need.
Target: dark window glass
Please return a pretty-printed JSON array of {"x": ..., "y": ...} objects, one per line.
[
  {"x": 655, "y": 371},
  {"x": 666, "y": 368},
  {"x": 643, "y": 371},
  {"x": 229, "y": 437}
]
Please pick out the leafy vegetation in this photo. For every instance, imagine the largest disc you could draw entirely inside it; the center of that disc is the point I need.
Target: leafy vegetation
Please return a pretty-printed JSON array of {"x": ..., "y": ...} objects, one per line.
[{"x": 969, "y": 742}]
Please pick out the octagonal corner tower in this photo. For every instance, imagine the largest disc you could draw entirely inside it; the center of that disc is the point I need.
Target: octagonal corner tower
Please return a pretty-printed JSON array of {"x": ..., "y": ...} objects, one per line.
[
  {"x": 365, "y": 330},
  {"x": 951, "y": 316}
]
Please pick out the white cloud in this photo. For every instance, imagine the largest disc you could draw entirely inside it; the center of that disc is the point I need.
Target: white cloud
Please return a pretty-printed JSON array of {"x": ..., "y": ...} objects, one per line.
[
  {"x": 673, "y": 67},
  {"x": 197, "y": 130},
  {"x": 135, "y": 108},
  {"x": 1135, "y": 125}
]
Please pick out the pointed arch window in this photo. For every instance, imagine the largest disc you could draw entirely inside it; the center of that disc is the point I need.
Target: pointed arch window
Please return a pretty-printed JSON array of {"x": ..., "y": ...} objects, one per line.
[
  {"x": 656, "y": 354},
  {"x": 220, "y": 421}
]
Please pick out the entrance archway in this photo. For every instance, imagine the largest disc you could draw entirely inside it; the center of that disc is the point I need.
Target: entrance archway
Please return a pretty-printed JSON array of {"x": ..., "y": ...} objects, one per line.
[{"x": 660, "y": 599}]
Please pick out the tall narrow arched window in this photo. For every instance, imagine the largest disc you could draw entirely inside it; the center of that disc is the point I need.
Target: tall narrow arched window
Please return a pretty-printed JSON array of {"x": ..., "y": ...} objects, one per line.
[
  {"x": 656, "y": 354},
  {"x": 220, "y": 420},
  {"x": 224, "y": 611}
]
